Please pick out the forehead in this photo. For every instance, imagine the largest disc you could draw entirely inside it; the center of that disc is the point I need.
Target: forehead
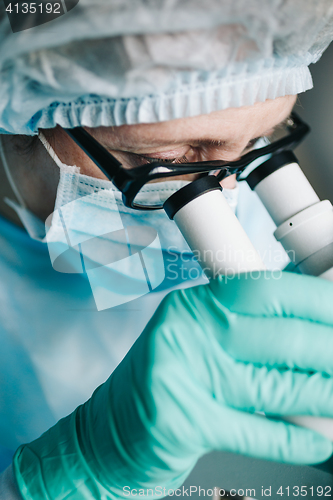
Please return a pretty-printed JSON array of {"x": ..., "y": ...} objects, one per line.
[{"x": 228, "y": 125}]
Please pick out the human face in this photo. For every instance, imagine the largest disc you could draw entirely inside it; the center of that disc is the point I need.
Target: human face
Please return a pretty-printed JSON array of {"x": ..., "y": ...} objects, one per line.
[{"x": 223, "y": 135}]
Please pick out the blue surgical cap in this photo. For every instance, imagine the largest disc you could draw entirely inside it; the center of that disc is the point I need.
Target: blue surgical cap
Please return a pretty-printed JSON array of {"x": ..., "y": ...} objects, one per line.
[{"x": 115, "y": 62}]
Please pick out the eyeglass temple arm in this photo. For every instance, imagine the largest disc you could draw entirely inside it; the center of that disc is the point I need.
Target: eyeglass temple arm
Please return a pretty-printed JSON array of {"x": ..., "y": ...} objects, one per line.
[{"x": 96, "y": 152}]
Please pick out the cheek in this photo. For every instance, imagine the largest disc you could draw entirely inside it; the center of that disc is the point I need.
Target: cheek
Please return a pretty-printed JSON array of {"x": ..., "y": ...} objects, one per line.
[
  {"x": 71, "y": 154},
  {"x": 90, "y": 169}
]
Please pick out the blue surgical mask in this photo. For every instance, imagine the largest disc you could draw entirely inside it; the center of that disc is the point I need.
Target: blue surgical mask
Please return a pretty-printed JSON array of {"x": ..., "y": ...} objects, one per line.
[{"x": 125, "y": 253}]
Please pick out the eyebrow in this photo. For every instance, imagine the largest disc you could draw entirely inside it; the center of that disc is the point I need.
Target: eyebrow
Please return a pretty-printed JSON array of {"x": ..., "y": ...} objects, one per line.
[
  {"x": 205, "y": 142},
  {"x": 219, "y": 143}
]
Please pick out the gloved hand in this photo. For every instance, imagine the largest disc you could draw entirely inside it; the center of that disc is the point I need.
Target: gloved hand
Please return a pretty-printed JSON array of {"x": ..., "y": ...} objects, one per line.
[{"x": 208, "y": 359}]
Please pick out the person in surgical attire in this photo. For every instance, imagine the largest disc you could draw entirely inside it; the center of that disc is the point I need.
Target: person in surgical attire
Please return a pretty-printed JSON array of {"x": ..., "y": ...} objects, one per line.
[{"x": 108, "y": 381}]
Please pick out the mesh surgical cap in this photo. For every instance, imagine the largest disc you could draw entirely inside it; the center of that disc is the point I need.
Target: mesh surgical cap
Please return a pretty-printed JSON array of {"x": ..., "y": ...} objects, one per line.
[{"x": 115, "y": 62}]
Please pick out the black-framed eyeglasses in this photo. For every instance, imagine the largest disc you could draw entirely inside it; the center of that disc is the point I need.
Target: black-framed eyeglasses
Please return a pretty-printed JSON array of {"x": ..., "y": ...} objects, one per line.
[{"x": 132, "y": 182}]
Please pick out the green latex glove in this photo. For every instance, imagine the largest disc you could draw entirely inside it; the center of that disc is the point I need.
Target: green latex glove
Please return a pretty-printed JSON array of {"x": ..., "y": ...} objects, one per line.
[{"x": 208, "y": 359}]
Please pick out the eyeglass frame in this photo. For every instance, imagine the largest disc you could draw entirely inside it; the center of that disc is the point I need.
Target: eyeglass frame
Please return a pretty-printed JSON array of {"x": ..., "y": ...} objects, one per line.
[{"x": 130, "y": 181}]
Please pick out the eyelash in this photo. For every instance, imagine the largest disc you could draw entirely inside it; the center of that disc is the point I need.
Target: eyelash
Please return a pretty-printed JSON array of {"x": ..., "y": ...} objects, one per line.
[{"x": 183, "y": 159}]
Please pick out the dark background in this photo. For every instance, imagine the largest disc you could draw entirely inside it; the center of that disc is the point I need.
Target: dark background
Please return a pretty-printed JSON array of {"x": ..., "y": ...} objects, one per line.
[{"x": 316, "y": 108}]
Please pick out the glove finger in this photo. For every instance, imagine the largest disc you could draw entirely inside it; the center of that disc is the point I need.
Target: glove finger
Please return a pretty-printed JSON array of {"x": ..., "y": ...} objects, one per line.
[
  {"x": 228, "y": 429},
  {"x": 276, "y": 294},
  {"x": 251, "y": 388},
  {"x": 284, "y": 342}
]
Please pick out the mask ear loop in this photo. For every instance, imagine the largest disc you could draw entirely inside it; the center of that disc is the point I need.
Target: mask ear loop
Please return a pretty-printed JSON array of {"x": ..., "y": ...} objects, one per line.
[{"x": 10, "y": 178}]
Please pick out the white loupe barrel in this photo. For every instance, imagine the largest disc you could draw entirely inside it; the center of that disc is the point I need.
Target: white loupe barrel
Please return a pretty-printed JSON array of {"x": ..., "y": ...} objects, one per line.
[
  {"x": 222, "y": 247},
  {"x": 304, "y": 223},
  {"x": 211, "y": 229}
]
